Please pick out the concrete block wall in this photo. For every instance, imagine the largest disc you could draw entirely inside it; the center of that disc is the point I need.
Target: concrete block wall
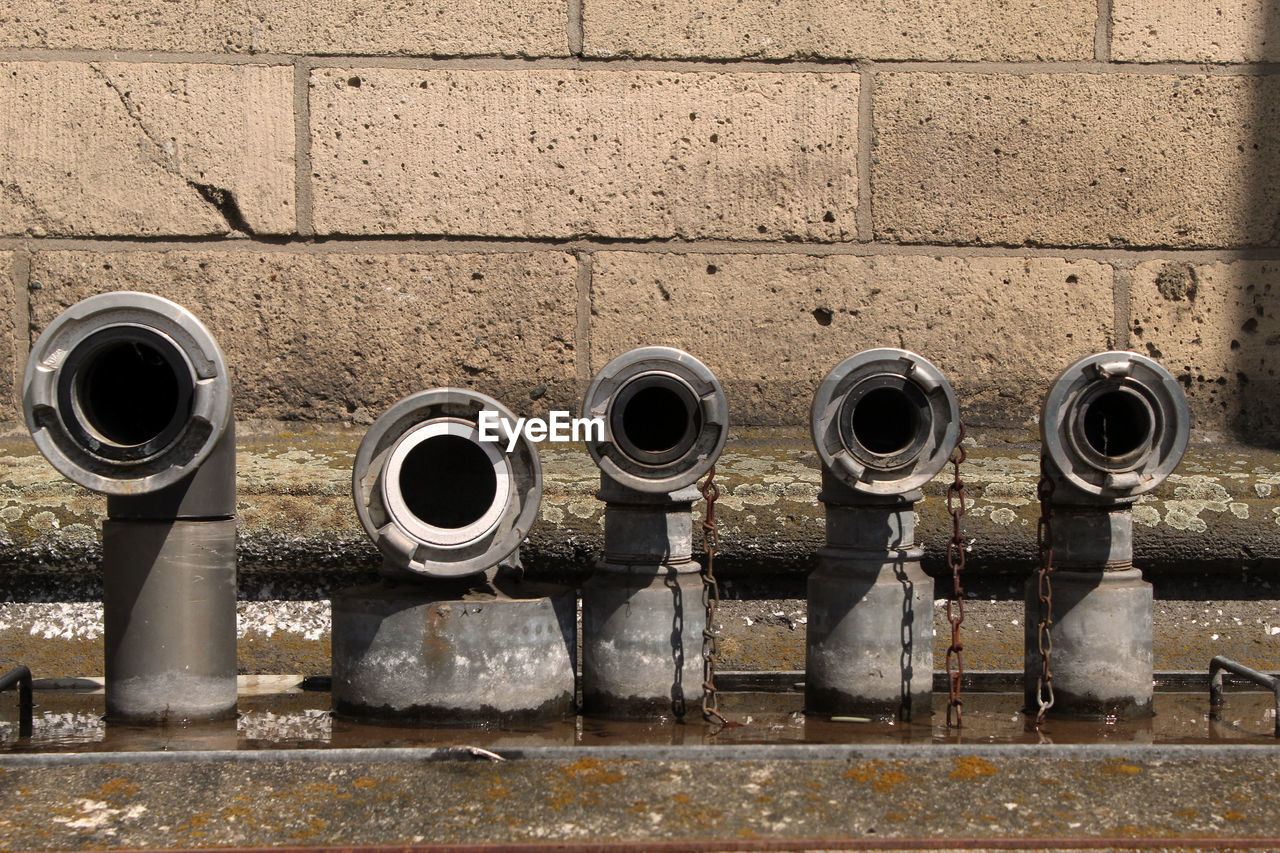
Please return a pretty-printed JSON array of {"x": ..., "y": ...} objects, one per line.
[{"x": 367, "y": 197}]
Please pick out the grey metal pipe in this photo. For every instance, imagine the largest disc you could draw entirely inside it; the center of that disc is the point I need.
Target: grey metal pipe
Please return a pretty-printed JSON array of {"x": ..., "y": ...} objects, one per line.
[
  {"x": 884, "y": 423},
  {"x": 665, "y": 421},
  {"x": 129, "y": 395},
  {"x": 452, "y": 634},
  {"x": 1114, "y": 426}
]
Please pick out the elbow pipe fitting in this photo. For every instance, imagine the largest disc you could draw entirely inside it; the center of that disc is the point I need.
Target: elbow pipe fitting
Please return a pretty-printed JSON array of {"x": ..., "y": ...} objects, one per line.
[
  {"x": 1114, "y": 426},
  {"x": 128, "y": 394},
  {"x": 665, "y": 419},
  {"x": 436, "y": 500},
  {"x": 884, "y": 422}
]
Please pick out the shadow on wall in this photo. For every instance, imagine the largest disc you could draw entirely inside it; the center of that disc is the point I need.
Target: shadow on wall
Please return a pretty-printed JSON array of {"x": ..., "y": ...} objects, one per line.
[{"x": 1256, "y": 342}]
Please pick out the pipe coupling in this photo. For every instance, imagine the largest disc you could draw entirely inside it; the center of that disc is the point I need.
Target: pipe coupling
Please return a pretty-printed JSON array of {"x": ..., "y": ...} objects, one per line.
[
  {"x": 126, "y": 393},
  {"x": 1115, "y": 425},
  {"x": 665, "y": 419},
  {"x": 885, "y": 421},
  {"x": 436, "y": 499}
]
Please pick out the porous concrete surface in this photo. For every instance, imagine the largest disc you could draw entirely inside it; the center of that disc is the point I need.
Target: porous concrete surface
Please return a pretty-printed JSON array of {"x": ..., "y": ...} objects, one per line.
[
  {"x": 9, "y": 360},
  {"x": 1217, "y": 516},
  {"x": 923, "y": 801},
  {"x": 1215, "y": 327},
  {"x": 109, "y": 148},
  {"x": 794, "y": 29},
  {"x": 789, "y": 319},
  {"x": 562, "y": 153},
  {"x": 1076, "y": 159},
  {"x": 338, "y": 336},
  {"x": 434, "y": 28},
  {"x": 1195, "y": 30}
]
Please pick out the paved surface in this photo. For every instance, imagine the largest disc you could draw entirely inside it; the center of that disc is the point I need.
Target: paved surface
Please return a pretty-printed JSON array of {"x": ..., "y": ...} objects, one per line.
[{"x": 866, "y": 795}]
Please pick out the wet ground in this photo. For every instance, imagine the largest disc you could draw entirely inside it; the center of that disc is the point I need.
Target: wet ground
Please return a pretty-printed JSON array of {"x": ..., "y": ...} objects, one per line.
[
  {"x": 68, "y": 721},
  {"x": 287, "y": 773}
]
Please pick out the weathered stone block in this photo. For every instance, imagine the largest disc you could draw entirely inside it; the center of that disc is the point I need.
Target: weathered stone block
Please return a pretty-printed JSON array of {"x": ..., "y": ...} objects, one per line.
[
  {"x": 1217, "y": 328},
  {"x": 636, "y": 154},
  {"x": 1195, "y": 30},
  {"x": 787, "y": 29},
  {"x": 1077, "y": 159},
  {"x": 145, "y": 149},
  {"x": 772, "y": 326},
  {"x": 429, "y": 28},
  {"x": 333, "y": 336},
  {"x": 9, "y": 366}
]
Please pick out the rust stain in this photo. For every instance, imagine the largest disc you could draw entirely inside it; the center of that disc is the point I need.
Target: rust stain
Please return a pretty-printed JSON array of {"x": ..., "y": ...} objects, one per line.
[{"x": 971, "y": 767}]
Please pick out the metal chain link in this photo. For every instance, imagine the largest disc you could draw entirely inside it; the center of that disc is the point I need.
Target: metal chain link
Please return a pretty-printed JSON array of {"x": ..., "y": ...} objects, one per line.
[
  {"x": 1044, "y": 541},
  {"x": 710, "y": 601},
  {"x": 955, "y": 604}
]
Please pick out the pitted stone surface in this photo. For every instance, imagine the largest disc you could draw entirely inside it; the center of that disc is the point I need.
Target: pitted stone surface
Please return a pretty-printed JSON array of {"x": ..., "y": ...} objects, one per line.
[
  {"x": 433, "y": 28},
  {"x": 342, "y": 336},
  {"x": 772, "y": 326},
  {"x": 542, "y": 153},
  {"x": 1077, "y": 159},
  {"x": 1195, "y": 30},
  {"x": 1217, "y": 328},
  {"x": 146, "y": 149},
  {"x": 729, "y": 29},
  {"x": 10, "y": 367}
]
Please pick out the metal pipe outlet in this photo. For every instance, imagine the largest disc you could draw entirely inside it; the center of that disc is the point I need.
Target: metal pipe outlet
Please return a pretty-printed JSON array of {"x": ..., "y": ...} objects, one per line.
[
  {"x": 128, "y": 394},
  {"x": 665, "y": 419},
  {"x": 1113, "y": 427},
  {"x": 884, "y": 423},
  {"x": 451, "y": 634}
]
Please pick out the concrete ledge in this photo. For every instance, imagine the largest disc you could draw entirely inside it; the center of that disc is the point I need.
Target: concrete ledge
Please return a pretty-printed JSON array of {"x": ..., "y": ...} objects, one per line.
[{"x": 1217, "y": 518}]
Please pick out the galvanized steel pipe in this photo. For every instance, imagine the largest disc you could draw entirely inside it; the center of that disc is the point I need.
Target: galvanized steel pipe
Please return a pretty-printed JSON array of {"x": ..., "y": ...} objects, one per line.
[
  {"x": 1114, "y": 426},
  {"x": 451, "y": 635},
  {"x": 128, "y": 394},
  {"x": 665, "y": 422},
  {"x": 884, "y": 422}
]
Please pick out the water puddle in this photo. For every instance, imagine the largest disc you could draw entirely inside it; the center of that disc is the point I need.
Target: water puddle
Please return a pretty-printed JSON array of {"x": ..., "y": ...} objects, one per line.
[{"x": 72, "y": 721}]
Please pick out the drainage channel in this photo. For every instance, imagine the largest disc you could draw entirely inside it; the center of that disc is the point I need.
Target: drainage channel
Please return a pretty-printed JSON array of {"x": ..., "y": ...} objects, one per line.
[{"x": 292, "y": 718}]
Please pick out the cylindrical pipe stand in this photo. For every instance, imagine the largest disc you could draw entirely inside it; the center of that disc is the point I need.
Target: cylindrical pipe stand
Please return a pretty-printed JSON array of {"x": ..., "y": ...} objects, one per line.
[
  {"x": 884, "y": 423},
  {"x": 665, "y": 420},
  {"x": 128, "y": 394},
  {"x": 1114, "y": 426},
  {"x": 451, "y": 635}
]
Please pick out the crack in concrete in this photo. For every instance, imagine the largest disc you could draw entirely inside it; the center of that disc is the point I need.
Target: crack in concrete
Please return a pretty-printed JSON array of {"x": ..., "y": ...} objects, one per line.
[{"x": 219, "y": 198}]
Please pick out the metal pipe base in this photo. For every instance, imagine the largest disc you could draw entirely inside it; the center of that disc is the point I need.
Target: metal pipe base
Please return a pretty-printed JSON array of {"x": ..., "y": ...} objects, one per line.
[
  {"x": 869, "y": 649},
  {"x": 442, "y": 655},
  {"x": 642, "y": 640},
  {"x": 169, "y": 619},
  {"x": 1102, "y": 644}
]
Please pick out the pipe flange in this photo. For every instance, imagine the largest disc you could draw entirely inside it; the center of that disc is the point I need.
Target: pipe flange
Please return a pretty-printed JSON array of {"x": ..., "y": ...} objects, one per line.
[
  {"x": 885, "y": 421},
  {"x": 436, "y": 499},
  {"x": 1115, "y": 424},
  {"x": 665, "y": 419},
  {"x": 126, "y": 393}
]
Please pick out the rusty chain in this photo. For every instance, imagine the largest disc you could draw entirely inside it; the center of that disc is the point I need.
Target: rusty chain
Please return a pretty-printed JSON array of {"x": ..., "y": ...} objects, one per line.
[
  {"x": 710, "y": 601},
  {"x": 1044, "y": 542},
  {"x": 955, "y": 604}
]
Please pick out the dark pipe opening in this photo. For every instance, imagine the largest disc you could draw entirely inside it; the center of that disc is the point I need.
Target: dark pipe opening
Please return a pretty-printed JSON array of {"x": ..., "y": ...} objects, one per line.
[
  {"x": 448, "y": 481},
  {"x": 125, "y": 393},
  {"x": 1116, "y": 423},
  {"x": 655, "y": 419},
  {"x": 129, "y": 393},
  {"x": 885, "y": 421}
]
